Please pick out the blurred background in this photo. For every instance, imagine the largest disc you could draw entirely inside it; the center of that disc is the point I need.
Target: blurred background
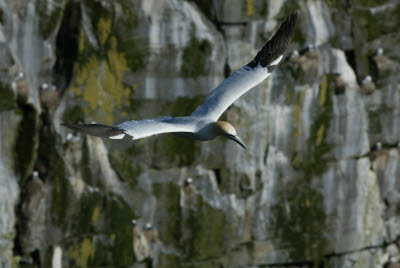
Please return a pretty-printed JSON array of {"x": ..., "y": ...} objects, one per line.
[{"x": 319, "y": 185}]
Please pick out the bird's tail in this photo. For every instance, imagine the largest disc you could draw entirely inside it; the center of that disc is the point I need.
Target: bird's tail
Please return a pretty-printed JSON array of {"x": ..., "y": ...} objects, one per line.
[{"x": 98, "y": 130}]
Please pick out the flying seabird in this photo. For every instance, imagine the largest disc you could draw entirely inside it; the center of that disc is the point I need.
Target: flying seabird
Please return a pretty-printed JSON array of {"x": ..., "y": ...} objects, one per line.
[{"x": 203, "y": 123}]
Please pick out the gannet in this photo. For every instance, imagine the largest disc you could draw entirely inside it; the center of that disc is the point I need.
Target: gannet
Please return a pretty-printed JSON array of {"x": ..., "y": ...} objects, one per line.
[{"x": 203, "y": 123}]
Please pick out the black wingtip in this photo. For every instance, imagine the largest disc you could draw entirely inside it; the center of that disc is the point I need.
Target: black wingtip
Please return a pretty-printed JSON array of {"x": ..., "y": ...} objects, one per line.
[
  {"x": 277, "y": 45},
  {"x": 98, "y": 130},
  {"x": 70, "y": 126}
]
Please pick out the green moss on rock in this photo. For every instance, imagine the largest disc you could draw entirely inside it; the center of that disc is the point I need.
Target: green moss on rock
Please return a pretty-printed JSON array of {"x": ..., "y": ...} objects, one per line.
[
  {"x": 52, "y": 169},
  {"x": 174, "y": 151},
  {"x": 89, "y": 207},
  {"x": 26, "y": 141},
  {"x": 49, "y": 19},
  {"x": 201, "y": 232},
  {"x": 7, "y": 97},
  {"x": 211, "y": 232},
  {"x": 195, "y": 58},
  {"x": 288, "y": 8},
  {"x": 118, "y": 219},
  {"x": 62, "y": 197},
  {"x": 82, "y": 253},
  {"x": 134, "y": 48},
  {"x": 85, "y": 163},
  {"x": 370, "y": 26},
  {"x": 99, "y": 75},
  {"x": 372, "y": 3},
  {"x": 1, "y": 16},
  {"x": 126, "y": 165},
  {"x": 205, "y": 7},
  {"x": 300, "y": 221},
  {"x": 112, "y": 31},
  {"x": 105, "y": 232},
  {"x": 73, "y": 114},
  {"x": 184, "y": 106},
  {"x": 171, "y": 261},
  {"x": 375, "y": 117},
  {"x": 317, "y": 157},
  {"x": 99, "y": 70},
  {"x": 375, "y": 24},
  {"x": 168, "y": 198}
]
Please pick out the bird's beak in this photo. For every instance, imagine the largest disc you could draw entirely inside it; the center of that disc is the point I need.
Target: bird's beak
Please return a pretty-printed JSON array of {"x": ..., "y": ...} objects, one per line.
[{"x": 238, "y": 141}]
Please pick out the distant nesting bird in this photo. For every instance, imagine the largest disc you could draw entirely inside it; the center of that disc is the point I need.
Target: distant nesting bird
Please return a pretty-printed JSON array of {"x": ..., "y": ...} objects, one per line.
[
  {"x": 367, "y": 85},
  {"x": 202, "y": 124},
  {"x": 340, "y": 84}
]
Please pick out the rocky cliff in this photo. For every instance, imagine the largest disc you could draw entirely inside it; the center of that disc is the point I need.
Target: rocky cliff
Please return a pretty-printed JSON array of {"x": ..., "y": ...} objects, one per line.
[{"x": 319, "y": 185}]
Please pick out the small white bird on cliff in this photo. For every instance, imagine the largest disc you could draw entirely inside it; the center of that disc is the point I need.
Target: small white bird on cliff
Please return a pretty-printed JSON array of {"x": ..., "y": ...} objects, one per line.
[{"x": 202, "y": 124}]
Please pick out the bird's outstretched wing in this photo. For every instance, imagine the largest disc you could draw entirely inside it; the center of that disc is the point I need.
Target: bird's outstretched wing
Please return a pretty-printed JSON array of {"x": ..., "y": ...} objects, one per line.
[
  {"x": 133, "y": 130},
  {"x": 250, "y": 75}
]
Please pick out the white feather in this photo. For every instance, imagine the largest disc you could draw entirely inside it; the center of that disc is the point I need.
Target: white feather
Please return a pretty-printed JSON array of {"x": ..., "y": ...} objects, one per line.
[
  {"x": 275, "y": 62},
  {"x": 149, "y": 127},
  {"x": 117, "y": 137},
  {"x": 230, "y": 90}
]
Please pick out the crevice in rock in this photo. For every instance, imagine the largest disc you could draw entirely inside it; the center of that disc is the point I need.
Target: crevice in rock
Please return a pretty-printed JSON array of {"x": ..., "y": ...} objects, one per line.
[
  {"x": 258, "y": 184},
  {"x": 17, "y": 249},
  {"x": 211, "y": 12},
  {"x": 148, "y": 263},
  {"x": 374, "y": 150},
  {"x": 35, "y": 255},
  {"x": 320, "y": 262},
  {"x": 227, "y": 69},
  {"x": 217, "y": 173},
  {"x": 351, "y": 59},
  {"x": 233, "y": 23},
  {"x": 67, "y": 44},
  {"x": 290, "y": 264},
  {"x": 25, "y": 141},
  {"x": 266, "y": 154},
  {"x": 22, "y": 221},
  {"x": 378, "y": 246}
]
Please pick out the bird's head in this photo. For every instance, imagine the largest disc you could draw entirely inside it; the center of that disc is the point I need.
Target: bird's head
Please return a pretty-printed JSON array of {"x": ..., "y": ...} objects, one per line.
[{"x": 227, "y": 130}]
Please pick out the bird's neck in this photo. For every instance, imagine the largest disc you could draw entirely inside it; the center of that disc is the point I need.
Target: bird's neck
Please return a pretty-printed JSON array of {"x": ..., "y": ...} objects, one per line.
[
  {"x": 209, "y": 132},
  {"x": 216, "y": 129}
]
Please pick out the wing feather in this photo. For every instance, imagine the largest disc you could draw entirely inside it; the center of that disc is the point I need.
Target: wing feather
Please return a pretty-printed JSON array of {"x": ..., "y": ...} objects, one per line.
[
  {"x": 250, "y": 75},
  {"x": 134, "y": 130}
]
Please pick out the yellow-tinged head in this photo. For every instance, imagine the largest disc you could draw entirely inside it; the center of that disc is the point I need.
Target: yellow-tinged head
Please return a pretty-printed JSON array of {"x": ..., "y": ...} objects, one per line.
[{"x": 226, "y": 129}]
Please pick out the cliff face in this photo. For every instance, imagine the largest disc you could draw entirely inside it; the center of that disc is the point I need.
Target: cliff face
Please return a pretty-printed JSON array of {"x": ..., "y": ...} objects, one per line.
[{"x": 318, "y": 185}]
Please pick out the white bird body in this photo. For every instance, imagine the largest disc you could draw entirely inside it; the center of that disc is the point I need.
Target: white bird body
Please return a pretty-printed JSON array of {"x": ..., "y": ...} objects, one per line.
[
  {"x": 202, "y": 124},
  {"x": 187, "y": 126}
]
